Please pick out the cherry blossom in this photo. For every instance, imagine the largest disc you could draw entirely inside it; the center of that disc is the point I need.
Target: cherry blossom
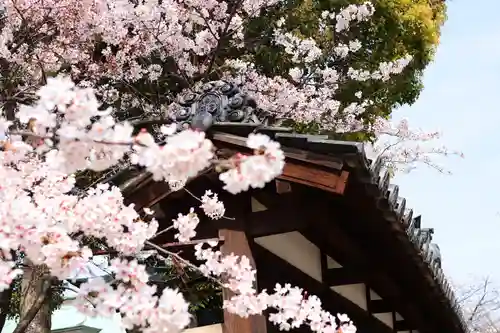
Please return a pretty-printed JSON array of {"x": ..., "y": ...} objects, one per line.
[
  {"x": 73, "y": 65},
  {"x": 212, "y": 206},
  {"x": 402, "y": 148},
  {"x": 8, "y": 274},
  {"x": 255, "y": 170},
  {"x": 186, "y": 225}
]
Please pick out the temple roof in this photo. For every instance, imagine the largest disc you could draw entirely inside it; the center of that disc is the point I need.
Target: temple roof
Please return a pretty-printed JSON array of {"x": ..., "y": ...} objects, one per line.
[{"x": 228, "y": 116}]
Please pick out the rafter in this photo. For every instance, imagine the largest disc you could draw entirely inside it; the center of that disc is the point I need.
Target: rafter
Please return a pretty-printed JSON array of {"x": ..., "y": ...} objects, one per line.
[
  {"x": 342, "y": 276},
  {"x": 271, "y": 269},
  {"x": 402, "y": 325},
  {"x": 380, "y": 306},
  {"x": 275, "y": 221},
  {"x": 326, "y": 232}
]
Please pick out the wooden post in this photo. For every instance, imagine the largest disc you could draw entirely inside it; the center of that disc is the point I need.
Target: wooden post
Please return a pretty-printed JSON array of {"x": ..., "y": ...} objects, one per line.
[{"x": 236, "y": 242}]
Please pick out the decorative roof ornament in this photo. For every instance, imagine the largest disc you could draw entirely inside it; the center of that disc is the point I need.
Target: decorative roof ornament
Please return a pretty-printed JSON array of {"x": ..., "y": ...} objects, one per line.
[{"x": 218, "y": 102}]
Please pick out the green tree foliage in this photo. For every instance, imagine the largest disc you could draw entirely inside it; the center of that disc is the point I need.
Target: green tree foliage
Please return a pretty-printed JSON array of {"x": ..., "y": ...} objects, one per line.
[{"x": 398, "y": 28}]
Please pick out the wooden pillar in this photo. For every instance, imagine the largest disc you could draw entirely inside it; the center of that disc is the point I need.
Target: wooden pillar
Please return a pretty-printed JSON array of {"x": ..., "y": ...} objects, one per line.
[{"x": 236, "y": 242}]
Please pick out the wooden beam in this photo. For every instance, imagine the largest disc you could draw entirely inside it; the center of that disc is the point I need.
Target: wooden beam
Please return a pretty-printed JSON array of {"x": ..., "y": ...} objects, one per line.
[
  {"x": 342, "y": 276},
  {"x": 315, "y": 177},
  {"x": 148, "y": 195},
  {"x": 283, "y": 186},
  {"x": 275, "y": 221},
  {"x": 402, "y": 325},
  {"x": 270, "y": 197},
  {"x": 235, "y": 242},
  {"x": 399, "y": 259},
  {"x": 271, "y": 270},
  {"x": 368, "y": 297},
  {"x": 325, "y": 230},
  {"x": 282, "y": 217},
  {"x": 238, "y": 143},
  {"x": 301, "y": 166},
  {"x": 151, "y": 192},
  {"x": 258, "y": 224},
  {"x": 380, "y": 306}
]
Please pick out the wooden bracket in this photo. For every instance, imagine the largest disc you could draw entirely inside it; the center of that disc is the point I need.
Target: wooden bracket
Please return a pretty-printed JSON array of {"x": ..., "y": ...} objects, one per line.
[{"x": 315, "y": 177}]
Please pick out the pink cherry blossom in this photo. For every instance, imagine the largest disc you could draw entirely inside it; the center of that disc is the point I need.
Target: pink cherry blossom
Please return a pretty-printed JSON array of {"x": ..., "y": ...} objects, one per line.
[{"x": 67, "y": 127}]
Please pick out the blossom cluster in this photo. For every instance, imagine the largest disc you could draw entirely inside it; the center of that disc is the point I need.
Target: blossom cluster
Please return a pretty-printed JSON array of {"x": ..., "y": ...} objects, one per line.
[
  {"x": 291, "y": 306},
  {"x": 401, "y": 147},
  {"x": 106, "y": 47},
  {"x": 135, "y": 300},
  {"x": 40, "y": 215},
  {"x": 309, "y": 95},
  {"x": 110, "y": 46}
]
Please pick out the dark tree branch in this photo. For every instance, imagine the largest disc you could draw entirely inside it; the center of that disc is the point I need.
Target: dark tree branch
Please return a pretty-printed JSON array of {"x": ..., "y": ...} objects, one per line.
[
  {"x": 151, "y": 121},
  {"x": 222, "y": 35}
]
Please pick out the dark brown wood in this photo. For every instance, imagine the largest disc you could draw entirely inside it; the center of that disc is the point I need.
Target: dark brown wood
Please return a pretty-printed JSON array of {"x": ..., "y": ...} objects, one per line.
[
  {"x": 353, "y": 230},
  {"x": 275, "y": 221},
  {"x": 283, "y": 187},
  {"x": 402, "y": 325},
  {"x": 151, "y": 192},
  {"x": 368, "y": 298},
  {"x": 399, "y": 258},
  {"x": 380, "y": 306},
  {"x": 270, "y": 197},
  {"x": 342, "y": 182},
  {"x": 302, "y": 167},
  {"x": 325, "y": 229},
  {"x": 314, "y": 177},
  {"x": 148, "y": 195},
  {"x": 235, "y": 242},
  {"x": 343, "y": 276},
  {"x": 294, "y": 154},
  {"x": 272, "y": 269}
]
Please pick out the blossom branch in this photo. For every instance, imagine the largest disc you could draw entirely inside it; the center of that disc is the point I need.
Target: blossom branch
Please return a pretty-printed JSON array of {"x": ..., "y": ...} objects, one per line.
[{"x": 183, "y": 261}]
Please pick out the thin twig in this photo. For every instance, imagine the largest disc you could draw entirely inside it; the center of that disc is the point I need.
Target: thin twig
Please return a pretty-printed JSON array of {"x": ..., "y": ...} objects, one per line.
[
  {"x": 193, "y": 242},
  {"x": 184, "y": 261},
  {"x": 163, "y": 231},
  {"x": 199, "y": 199}
]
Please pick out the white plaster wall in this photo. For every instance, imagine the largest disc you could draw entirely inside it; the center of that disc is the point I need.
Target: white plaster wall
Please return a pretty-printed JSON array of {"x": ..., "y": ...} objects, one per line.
[
  {"x": 386, "y": 318},
  {"x": 400, "y": 318},
  {"x": 304, "y": 255},
  {"x": 295, "y": 249},
  {"x": 257, "y": 206},
  {"x": 301, "y": 253},
  {"x": 356, "y": 293},
  {"x": 330, "y": 263},
  {"x": 353, "y": 292},
  {"x": 374, "y": 295}
]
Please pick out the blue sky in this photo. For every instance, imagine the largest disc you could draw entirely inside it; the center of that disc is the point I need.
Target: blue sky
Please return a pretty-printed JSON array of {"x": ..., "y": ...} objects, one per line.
[{"x": 462, "y": 89}]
